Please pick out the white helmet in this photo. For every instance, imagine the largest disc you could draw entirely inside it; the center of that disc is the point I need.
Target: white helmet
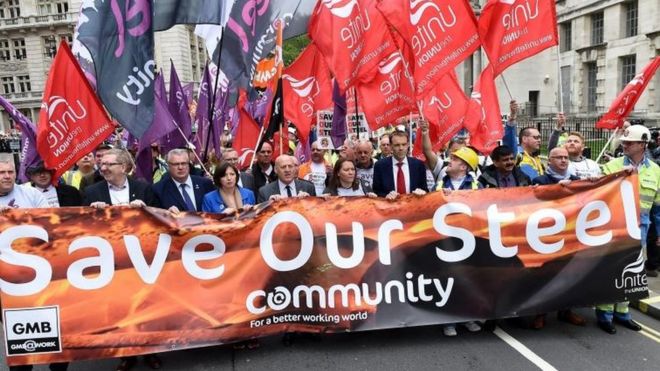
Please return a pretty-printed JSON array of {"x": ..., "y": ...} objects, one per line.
[{"x": 636, "y": 133}]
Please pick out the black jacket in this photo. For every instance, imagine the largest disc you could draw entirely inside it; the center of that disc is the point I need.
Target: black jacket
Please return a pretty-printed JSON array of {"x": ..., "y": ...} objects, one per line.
[
  {"x": 137, "y": 190},
  {"x": 488, "y": 178},
  {"x": 549, "y": 179}
]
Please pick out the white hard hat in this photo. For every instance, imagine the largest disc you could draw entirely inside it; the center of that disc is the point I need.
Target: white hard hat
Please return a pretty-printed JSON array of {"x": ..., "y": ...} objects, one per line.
[{"x": 636, "y": 133}]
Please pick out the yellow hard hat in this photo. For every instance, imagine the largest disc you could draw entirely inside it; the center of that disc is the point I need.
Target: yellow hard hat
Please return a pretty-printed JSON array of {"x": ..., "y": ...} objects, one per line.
[{"x": 469, "y": 156}]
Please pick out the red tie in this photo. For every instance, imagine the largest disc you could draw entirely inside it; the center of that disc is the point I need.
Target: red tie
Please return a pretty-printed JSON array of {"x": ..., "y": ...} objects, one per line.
[{"x": 400, "y": 180}]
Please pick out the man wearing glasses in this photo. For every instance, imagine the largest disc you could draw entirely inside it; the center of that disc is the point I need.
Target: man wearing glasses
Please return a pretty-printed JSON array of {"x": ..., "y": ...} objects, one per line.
[
  {"x": 528, "y": 152},
  {"x": 178, "y": 190},
  {"x": 117, "y": 188}
]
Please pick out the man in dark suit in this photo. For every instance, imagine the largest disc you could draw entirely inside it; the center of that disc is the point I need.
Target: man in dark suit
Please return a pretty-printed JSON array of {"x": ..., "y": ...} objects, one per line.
[
  {"x": 399, "y": 173},
  {"x": 60, "y": 195},
  {"x": 287, "y": 184},
  {"x": 117, "y": 188},
  {"x": 178, "y": 190},
  {"x": 95, "y": 176},
  {"x": 263, "y": 170}
]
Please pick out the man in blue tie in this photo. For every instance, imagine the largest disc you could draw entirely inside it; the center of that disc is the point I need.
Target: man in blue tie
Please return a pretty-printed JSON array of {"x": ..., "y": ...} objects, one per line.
[{"x": 178, "y": 190}]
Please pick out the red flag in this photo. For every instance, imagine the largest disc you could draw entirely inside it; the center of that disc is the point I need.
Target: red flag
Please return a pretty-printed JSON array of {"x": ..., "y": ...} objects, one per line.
[
  {"x": 307, "y": 88},
  {"x": 512, "y": 30},
  {"x": 389, "y": 94},
  {"x": 625, "y": 101},
  {"x": 483, "y": 118},
  {"x": 246, "y": 135},
  {"x": 351, "y": 36},
  {"x": 72, "y": 121},
  {"x": 440, "y": 33},
  {"x": 444, "y": 108}
]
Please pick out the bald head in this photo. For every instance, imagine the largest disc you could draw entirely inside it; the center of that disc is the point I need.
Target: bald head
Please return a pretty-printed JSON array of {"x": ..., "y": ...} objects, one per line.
[
  {"x": 558, "y": 160},
  {"x": 363, "y": 152},
  {"x": 285, "y": 167}
]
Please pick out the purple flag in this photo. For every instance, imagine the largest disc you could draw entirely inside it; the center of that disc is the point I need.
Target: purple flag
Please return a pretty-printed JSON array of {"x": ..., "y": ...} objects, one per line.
[
  {"x": 303, "y": 152},
  {"x": 178, "y": 106},
  {"x": 29, "y": 155},
  {"x": 202, "y": 114},
  {"x": 219, "y": 118},
  {"x": 188, "y": 91},
  {"x": 338, "y": 132},
  {"x": 161, "y": 125}
]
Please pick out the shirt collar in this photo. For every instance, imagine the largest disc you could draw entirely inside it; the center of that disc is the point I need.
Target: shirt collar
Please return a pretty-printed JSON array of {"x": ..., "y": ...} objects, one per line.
[
  {"x": 395, "y": 161},
  {"x": 188, "y": 182},
  {"x": 121, "y": 188},
  {"x": 645, "y": 161}
]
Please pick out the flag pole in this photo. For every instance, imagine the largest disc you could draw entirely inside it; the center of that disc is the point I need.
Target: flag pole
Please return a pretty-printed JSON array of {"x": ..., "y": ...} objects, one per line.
[
  {"x": 506, "y": 85},
  {"x": 189, "y": 146},
  {"x": 215, "y": 92},
  {"x": 559, "y": 82},
  {"x": 254, "y": 153},
  {"x": 607, "y": 144}
]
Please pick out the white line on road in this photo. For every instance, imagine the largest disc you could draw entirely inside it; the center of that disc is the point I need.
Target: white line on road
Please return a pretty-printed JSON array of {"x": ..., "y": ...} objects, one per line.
[{"x": 522, "y": 349}]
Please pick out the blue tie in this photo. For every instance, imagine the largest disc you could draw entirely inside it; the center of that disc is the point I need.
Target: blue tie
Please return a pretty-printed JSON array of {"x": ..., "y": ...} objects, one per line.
[{"x": 190, "y": 206}]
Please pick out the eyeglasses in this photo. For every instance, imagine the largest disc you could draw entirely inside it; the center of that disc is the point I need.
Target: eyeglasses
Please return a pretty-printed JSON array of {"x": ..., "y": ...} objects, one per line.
[
  {"x": 108, "y": 164},
  {"x": 178, "y": 164}
]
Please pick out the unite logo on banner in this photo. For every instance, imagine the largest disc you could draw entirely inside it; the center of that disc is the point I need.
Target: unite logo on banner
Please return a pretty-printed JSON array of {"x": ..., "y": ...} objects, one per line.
[
  {"x": 441, "y": 34},
  {"x": 444, "y": 107},
  {"x": 351, "y": 35},
  {"x": 63, "y": 119},
  {"x": 633, "y": 279},
  {"x": 512, "y": 30}
]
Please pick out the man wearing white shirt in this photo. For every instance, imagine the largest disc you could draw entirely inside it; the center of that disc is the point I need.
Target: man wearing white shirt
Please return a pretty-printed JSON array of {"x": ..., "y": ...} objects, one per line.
[
  {"x": 13, "y": 195},
  {"x": 287, "y": 185},
  {"x": 399, "y": 173}
]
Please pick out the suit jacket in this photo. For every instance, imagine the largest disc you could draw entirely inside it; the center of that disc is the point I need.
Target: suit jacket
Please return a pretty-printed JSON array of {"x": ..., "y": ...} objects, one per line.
[
  {"x": 273, "y": 188},
  {"x": 137, "y": 190},
  {"x": 385, "y": 183},
  {"x": 168, "y": 194},
  {"x": 68, "y": 196},
  {"x": 247, "y": 180}
]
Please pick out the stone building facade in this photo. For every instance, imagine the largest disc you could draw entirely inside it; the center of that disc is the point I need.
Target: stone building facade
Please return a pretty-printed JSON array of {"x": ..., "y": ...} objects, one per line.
[{"x": 30, "y": 31}]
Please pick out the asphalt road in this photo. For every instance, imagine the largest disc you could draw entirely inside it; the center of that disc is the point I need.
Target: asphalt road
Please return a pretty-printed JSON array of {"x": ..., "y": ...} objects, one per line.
[{"x": 559, "y": 346}]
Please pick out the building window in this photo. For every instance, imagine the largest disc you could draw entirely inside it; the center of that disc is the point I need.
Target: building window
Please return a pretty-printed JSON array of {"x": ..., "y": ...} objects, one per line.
[
  {"x": 53, "y": 7},
  {"x": 8, "y": 85},
  {"x": 24, "y": 84},
  {"x": 597, "y": 28},
  {"x": 12, "y": 8},
  {"x": 50, "y": 46},
  {"x": 20, "y": 51},
  {"x": 5, "y": 50},
  {"x": 631, "y": 18},
  {"x": 592, "y": 84},
  {"x": 628, "y": 67},
  {"x": 566, "y": 36}
]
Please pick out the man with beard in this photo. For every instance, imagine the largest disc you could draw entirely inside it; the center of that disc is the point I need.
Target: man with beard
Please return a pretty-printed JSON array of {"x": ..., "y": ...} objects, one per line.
[
  {"x": 579, "y": 165},
  {"x": 399, "y": 173},
  {"x": 317, "y": 170},
  {"x": 60, "y": 195},
  {"x": 503, "y": 173},
  {"x": 634, "y": 141},
  {"x": 365, "y": 163},
  {"x": 530, "y": 145}
]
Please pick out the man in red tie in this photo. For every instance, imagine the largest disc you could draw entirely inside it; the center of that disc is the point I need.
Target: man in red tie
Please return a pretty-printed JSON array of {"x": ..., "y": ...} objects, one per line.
[{"x": 399, "y": 173}]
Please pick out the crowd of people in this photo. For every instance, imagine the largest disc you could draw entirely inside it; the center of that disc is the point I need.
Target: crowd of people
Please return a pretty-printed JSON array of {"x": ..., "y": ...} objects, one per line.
[{"x": 381, "y": 169}]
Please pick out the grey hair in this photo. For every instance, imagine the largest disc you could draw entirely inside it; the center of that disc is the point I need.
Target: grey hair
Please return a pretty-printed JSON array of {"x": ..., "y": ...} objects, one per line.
[
  {"x": 7, "y": 158},
  {"x": 122, "y": 156},
  {"x": 177, "y": 152}
]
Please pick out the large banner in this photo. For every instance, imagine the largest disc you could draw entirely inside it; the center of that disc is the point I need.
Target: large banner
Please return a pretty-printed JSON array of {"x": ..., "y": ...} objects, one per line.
[{"x": 72, "y": 288}]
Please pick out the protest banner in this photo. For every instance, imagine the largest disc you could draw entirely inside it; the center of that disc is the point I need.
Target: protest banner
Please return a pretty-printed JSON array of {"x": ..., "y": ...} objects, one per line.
[
  {"x": 74, "y": 289},
  {"x": 324, "y": 129},
  {"x": 357, "y": 127}
]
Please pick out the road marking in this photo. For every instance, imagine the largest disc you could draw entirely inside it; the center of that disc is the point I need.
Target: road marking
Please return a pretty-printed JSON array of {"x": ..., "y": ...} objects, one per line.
[
  {"x": 648, "y": 329},
  {"x": 522, "y": 349},
  {"x": 648, "y": 335}
]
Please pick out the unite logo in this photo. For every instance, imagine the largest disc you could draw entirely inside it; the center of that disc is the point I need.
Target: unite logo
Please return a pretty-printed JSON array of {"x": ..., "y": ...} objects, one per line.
[
  {"x": 519, "y": 13},
  {"x": 340, "y": 8},
  {"x": 303, "y": 87},
  {"x": 62, "y": 116},
  {"x": 442, "y": 104},
  {"x": 633, "y": 278},
  {"x": 390, "y": 68},
  {"x": 417, "y": 9},
  {"x": 243, "y": 159}
]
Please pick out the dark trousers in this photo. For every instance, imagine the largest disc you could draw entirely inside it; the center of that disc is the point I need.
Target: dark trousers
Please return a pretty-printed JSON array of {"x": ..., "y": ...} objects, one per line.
[
  {"x": 652, "y": 249},
  {"x": 52, "y": 367}
]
